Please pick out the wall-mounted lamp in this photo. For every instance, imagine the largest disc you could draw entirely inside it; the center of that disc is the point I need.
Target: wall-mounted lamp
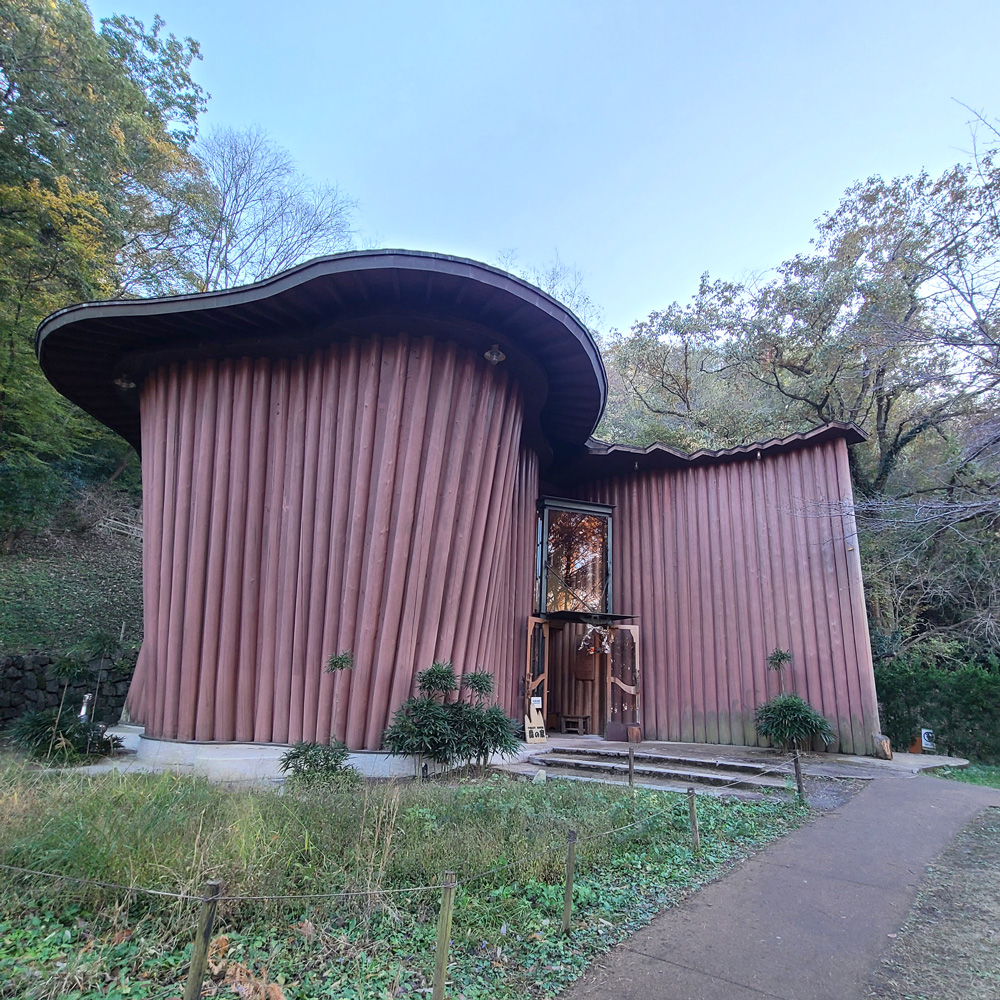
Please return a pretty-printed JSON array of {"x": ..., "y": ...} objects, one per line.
[
  {"x": 124, "y": 383},
  {"x": 494, "y": 355}
]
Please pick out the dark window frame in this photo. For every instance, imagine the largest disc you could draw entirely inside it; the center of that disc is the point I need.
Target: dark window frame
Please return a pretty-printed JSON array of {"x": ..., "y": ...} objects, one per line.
[{"x": 547, "y": 505}]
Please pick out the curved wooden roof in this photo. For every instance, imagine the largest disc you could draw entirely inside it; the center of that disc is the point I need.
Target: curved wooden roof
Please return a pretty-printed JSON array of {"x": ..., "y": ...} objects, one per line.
[{"x": 83, "y": 349}]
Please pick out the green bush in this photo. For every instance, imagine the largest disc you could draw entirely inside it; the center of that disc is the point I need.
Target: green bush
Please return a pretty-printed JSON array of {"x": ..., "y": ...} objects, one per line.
[
  {"x": 460, "y": 732},
  {"x": 904, "y": 694},
  {"x": 52, "y": 735},
  {"x": 423, "y": 728},
  {"x": 788, "y": 721},
  {"x": 344, "y": 660},
  {"x": 961, "y": 706},
  {"x": 480, "y": 732},
  {"x": 318, "y": 763},
  {"x": 438, "y": 678}
]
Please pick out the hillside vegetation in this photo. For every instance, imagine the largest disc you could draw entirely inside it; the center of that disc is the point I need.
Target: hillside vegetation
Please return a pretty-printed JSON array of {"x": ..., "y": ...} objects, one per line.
[{"x": 60, "y": 587}]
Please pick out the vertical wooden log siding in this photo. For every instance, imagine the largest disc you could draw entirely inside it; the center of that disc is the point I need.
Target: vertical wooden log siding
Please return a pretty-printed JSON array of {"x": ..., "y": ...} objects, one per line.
[
  {"x": 373, "y": 497},
  {"x": 725, "y": 563},
  {"x": 519, "y": 583}
]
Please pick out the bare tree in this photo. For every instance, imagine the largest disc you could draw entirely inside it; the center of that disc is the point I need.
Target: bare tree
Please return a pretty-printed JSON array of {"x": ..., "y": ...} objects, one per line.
[
  {"x": 260, "y": 215},
  {"x": 562, "y": 281}
]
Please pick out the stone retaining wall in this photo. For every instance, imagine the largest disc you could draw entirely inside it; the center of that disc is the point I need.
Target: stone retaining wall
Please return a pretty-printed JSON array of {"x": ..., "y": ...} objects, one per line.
[{"x": 27, "y": 683}]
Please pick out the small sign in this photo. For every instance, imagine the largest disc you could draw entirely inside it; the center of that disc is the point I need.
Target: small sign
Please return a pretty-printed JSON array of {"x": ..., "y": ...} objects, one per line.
[
  {"x": 534, "y": 724},
  {"x": 927, "y": 739}
]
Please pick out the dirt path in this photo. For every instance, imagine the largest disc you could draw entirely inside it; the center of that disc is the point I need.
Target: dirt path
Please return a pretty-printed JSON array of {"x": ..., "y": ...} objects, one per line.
[{"x": 949, "y": 947}]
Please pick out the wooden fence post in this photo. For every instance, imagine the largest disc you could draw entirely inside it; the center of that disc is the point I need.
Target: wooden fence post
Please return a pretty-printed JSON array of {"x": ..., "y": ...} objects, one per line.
[
  {"x": 798, "y": 778},
  {"x": 199, "y": 952},
  {"x": 631, "y": 766},
  {"x": 693, "y": 813},
  {"x": 448, "y": 885},
  {"x": 570, "y": 869}
]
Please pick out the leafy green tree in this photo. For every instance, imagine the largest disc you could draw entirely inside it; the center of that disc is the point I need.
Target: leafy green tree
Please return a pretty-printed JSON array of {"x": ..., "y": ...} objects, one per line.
[
  {"x": 95, "y": 129},
  {"x": 53, "y": 252},
  {"x": 889, "y": 322}
]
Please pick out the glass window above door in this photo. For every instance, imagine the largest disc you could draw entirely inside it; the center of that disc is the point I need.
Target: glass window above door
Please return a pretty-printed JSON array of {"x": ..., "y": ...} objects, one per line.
[{"x": 574, "y": 557}]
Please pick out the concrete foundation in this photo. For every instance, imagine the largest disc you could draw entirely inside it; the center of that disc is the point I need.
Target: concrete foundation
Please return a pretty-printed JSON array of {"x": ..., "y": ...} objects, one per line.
[{"x": 250, "y": 762}]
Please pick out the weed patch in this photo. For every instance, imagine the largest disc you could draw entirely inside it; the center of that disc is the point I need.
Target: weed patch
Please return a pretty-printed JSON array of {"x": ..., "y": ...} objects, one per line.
[{"x": 504, "y": 838}]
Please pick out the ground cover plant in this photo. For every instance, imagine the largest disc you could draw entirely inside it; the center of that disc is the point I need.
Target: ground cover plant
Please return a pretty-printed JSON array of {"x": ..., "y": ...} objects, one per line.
[
  {"x": 974, "y": 774},
  {"x": 64, "y": 585},
  {"x": 505, "y": 839}
]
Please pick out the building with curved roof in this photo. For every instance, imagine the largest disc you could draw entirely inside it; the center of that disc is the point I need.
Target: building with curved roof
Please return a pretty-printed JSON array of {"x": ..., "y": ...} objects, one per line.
[{"x": 390, "y": 453}]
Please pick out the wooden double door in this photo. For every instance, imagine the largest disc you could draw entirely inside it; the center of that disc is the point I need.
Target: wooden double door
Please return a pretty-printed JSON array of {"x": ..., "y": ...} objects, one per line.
[{"x": 583, "y": 679}]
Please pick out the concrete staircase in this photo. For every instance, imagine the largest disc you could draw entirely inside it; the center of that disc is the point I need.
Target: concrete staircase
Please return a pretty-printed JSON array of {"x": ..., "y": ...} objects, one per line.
[{"x": 653, "y": 769}]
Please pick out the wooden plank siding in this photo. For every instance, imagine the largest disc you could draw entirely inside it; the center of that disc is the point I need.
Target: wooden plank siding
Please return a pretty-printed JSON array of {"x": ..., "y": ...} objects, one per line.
[
  {"x": 723, "y": 563},
  {"x": 372, "y": 497}
]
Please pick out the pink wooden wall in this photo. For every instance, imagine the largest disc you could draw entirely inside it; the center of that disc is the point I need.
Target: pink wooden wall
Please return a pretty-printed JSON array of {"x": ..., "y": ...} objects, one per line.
[
  {"x": 373, "y": 497},
  {"x": 724, "y": 563}
]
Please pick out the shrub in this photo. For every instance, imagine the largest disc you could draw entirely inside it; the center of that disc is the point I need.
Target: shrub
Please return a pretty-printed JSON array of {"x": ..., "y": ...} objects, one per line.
[
  {"x": 49, "y": 734},
  {"x": 98, "y": 645},
  {"x": 344, "y": 660},
  {"x": 318, "y": 763},
  {"x": 437, "y": 679},
  {"x": 778, "y": 659},
  {"x": 479, "y": 683},
  {"x": 459, "y": 732},
  {"x": 788, "y": 721},
  {"x": 966, "y": 714},
  {"x": 961, "y": 705},
  {"x": 423, "y": 728},
  {"x": 905, "y": 693},
  {"x": 489, "y": 731}
]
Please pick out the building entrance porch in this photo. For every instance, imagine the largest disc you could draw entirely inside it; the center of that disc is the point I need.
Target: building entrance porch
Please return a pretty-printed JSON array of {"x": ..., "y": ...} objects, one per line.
[
  {"x": 583, "y": 677},
  {"x": 582, "y": 671}
]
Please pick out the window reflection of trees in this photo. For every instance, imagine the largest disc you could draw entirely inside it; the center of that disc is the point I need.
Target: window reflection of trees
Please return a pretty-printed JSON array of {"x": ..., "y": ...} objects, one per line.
[{"x": 577, "y": 562}]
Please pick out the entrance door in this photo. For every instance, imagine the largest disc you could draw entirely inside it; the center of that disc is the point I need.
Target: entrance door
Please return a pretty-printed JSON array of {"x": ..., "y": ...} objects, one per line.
[
  {"x": 622, "y": 699},
  {"x": 586, "y": 679},
  {"x": 536, "y": 687}
]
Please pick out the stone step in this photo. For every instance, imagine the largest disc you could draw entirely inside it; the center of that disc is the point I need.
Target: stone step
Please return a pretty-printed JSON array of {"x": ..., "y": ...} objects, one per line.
[
  {"x": 655, "y": 783},
  {"x": 656, "y": 759},
  {"x": 688, "y": 774}
]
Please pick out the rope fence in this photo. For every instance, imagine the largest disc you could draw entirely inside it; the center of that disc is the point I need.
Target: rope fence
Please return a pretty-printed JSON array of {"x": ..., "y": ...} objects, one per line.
[{"x": 212, "y": 895}]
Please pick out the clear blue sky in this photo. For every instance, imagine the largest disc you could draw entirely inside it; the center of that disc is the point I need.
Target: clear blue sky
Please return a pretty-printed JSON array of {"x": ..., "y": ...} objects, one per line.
[{"x": 645, "y": 142}]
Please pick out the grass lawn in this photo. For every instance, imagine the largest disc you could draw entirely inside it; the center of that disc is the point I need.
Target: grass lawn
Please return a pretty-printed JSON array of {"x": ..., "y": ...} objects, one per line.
[
  {"x": 974, "y": 774},
  {"x": 77, "y": 940}
]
